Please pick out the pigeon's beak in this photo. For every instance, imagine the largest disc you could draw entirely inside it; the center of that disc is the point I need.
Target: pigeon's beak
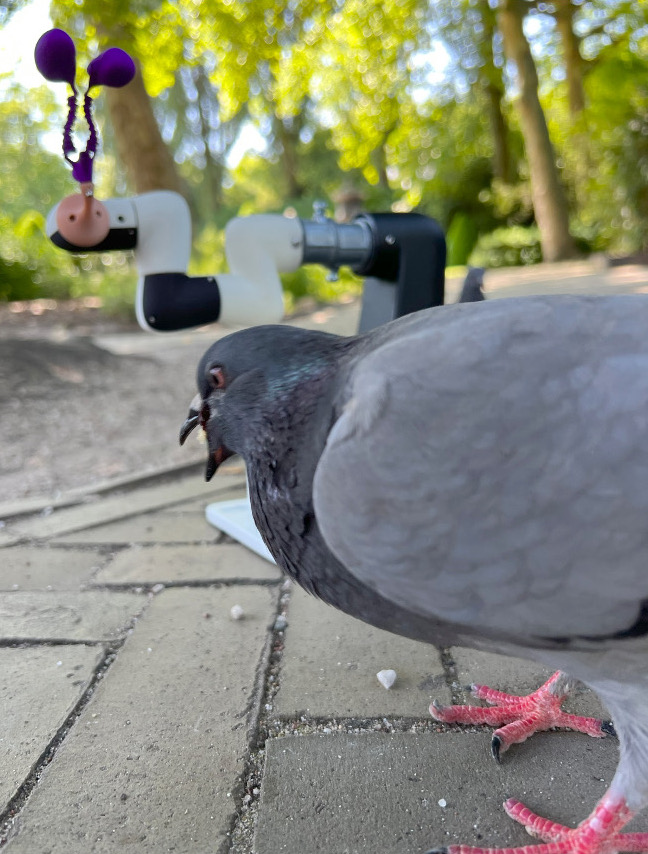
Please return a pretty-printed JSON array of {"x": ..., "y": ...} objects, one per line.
[
  {"x": 193, "y": 419},
  {"x": 199, "y": 414}
]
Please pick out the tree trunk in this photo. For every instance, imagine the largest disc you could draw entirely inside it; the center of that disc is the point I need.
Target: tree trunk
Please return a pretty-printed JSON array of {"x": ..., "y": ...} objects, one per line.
[
  {"x": 149, "y": 163},
  {"x": 502, "y": 161},
  {"x": 288, "y": 137},
  {"x": 564, "y": 15},
  {"x": 549, "y": 201},
  {"x": 493, "y": 82},
  {"x": 214, "y": 169},
  {"x": 379, "y": 158}
]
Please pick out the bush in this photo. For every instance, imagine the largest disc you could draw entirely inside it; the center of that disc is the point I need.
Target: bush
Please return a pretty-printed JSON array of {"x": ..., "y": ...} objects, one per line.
[
  {"x": 30, "y": 265},
  {"x": 16, "y": 282},
  {"x": 315, "y": 281},
  {"x": 117, "y": 293},
  {"x": 461, "y": 238},
  {"x": 507, "y": 247}
]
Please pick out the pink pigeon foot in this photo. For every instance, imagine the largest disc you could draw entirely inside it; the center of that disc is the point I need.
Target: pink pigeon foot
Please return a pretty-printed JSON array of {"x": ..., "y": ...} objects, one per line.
[
  {"x": 519, "y": 717},
  {"x": 598, "y": 834}
]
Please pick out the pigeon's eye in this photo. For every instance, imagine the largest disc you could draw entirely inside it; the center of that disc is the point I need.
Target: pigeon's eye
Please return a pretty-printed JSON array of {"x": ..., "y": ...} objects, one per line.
[{"x": 217, "y": 377}]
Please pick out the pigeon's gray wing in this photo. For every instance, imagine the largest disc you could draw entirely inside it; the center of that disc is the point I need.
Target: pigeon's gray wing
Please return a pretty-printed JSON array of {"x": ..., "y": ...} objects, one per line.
[{"x": 490, "y": 466}]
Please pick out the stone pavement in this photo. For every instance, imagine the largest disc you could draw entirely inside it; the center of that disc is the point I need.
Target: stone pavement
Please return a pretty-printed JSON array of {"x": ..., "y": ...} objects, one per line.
[{"x": 137, "y": 715}]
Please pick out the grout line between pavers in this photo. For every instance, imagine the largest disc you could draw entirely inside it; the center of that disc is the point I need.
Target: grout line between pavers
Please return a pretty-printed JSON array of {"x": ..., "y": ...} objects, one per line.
[
  {"x": 451, "y": 676},
  {"x": 122, "y": 544},
  {"x": 241, "y": 832},
  {"x": 105, "y": 550},
  {"x": 16, "y": 804},
  {"x": 20, "y": 643},
  {"x": 207, "y": 583}
]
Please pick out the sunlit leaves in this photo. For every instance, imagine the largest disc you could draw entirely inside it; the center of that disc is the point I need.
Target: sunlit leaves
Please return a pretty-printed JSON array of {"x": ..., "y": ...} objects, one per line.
[{"x": 399, "y": 95}]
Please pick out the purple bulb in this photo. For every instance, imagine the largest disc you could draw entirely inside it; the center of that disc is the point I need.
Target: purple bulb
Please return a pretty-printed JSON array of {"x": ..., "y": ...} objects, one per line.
[
  {"x": 113, "y": 67},
  {"x": 56, "y": 57}
]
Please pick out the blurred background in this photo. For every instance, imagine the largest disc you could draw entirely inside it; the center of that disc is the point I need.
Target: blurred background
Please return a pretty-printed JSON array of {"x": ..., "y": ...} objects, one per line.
[{"x": 521, "y": 125}]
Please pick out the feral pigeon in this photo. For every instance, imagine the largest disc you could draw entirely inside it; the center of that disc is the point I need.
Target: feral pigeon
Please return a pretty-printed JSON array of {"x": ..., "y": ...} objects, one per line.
[
  {"x": 476, "y": 475},
  {"x": 472, "y": 289}
]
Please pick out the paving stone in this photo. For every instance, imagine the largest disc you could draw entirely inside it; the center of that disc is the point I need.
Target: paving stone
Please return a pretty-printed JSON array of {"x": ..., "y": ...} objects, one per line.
[
  {"x": 33, "y": 504},
  {"x": 374, "y": 792},
  {"x": 330, "y": 663},
  {"x": 7, "y": 539},
  {"x": 198, "y": 506},
  {"x": 148, "y": 528},
  {"x": 26, "y": 568},
  {"x": 181, "y": 524},
  {"x": 85, "y": 616},
  {"x": 184, "y": 564},
  {"x": 517, "y": 676},
  {"x": 69, "y": 519},
  {"x": 149, "y": 765},
  {"x": 38, "y": 689}
]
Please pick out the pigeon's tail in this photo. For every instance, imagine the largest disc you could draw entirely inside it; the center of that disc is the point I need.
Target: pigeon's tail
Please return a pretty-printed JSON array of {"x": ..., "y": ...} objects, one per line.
[{"x": 473, "y": 286}]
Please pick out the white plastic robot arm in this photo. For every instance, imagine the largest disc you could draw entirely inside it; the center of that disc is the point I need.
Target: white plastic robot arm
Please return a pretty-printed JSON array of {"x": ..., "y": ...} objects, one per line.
[
  {"x": 157, "y": 226},
  {"x": 258, "y": 248},
  {"x": 401, "y": 256}
]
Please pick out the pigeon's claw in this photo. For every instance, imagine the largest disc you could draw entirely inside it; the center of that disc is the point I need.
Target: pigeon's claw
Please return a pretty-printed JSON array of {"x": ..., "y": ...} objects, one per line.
[
  {"x": 519, "y": 717},
  {"x": 496, "y": 748},
  {"x": 598, "y": 834}
]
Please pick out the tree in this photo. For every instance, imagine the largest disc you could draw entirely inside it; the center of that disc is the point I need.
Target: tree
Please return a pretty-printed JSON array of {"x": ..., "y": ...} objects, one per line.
[
  {"x": 492, "y": 79},
  {"x": 33, "y": 180},
  {"x": 8, "y": 7},
  {"x": 549, "y": 201},
  {"x": 235, "y": 49},
  {"x": 358, "y": 70},
  {"x": 588, "y": 31},
  {"x": 565, "y": 12},
  {"x": 358, "y": 76},
  {"x": 149, "y": 164},
  {"x": 468, "y": 29},
  {"x": 148, "y": 161}
]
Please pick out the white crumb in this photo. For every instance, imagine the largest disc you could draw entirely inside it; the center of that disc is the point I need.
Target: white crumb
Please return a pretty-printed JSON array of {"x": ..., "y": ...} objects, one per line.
[{"x": 386, "y": 678}]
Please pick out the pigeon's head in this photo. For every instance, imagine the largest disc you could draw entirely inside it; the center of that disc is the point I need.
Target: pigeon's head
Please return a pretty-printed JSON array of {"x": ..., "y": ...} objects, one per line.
[{"x": 240, "y": 376}]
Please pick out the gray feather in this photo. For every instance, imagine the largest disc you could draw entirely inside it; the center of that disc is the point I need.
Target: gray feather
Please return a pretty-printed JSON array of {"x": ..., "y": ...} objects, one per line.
[{"x": 495, "y": 480}]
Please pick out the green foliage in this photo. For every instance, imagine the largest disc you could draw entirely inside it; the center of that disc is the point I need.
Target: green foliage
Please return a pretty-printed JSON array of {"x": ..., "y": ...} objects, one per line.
[
  {"x": 616, "y": 179},
  {"x": 8, "y": 7},
  {"x": 16, "y": 282},
  {"x": 461, "y": 238},
  {"x": 31, "y": 177},
  {"x": 32, "y": 180},
  {"x": 30, "y": 266},
  {"x": 117, "y": 293},
  {"x": 316, "y": 282},
  {"x": 507, "y": 247},
  {"x": 346, "y": 94}
]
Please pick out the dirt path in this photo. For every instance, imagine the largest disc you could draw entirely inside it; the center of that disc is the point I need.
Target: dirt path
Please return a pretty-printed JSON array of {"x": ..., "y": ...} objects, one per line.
[{"x": 84, "y": 400}]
